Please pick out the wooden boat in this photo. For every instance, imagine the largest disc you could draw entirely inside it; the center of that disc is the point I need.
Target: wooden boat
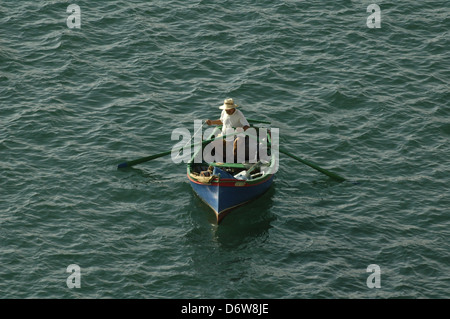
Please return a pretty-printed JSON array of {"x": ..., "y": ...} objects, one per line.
[{"x": 225, "y": 186}]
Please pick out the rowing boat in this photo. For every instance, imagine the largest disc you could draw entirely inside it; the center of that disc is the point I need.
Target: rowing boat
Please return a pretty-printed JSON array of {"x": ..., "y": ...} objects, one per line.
[{"x": 226, "y": 186}]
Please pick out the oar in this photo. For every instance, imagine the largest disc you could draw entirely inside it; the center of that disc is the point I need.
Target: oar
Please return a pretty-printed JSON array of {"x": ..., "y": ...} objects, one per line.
[
  {"x": 257, "y": 121},
  {"x": 316, "y": 167},
  {"x": 142, "y": 160},
  {"x": 151, "y": 157}
]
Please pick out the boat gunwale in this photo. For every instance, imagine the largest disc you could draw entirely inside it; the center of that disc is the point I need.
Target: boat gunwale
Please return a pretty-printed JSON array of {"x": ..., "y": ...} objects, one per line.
[{"x": 231, "y": 182}]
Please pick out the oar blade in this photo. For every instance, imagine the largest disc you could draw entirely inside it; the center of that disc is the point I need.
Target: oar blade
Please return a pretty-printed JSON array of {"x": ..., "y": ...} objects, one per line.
[{"x": 123, "y": 165}]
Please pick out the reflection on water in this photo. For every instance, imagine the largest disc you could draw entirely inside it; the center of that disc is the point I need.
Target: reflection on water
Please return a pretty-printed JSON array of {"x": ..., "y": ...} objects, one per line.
[
  {"x": 246, "y": 223},
  {"x": 231, "y": 247},
  {"x": 240, "y": 226}
]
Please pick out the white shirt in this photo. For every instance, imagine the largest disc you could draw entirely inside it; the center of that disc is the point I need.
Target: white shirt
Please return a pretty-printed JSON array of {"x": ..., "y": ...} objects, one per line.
[{"x": 237, "y": 119}]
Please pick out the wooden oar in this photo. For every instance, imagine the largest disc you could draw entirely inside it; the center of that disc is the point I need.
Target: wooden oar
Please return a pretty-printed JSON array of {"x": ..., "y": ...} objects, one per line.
[
  {"x": 151, "y": 157},
  {"x": 316, "y": 167}
]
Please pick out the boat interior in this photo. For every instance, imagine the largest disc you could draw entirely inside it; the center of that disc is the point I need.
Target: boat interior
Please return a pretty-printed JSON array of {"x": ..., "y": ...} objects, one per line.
[{"x": 250, "y": 169}]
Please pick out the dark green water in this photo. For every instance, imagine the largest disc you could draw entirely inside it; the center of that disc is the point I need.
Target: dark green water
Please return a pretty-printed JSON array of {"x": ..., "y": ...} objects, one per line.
[{"x": 369, "y": 104}]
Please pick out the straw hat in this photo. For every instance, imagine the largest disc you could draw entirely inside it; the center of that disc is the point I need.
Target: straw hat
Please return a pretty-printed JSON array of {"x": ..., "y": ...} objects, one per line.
[{"x": 228, "y": 104}]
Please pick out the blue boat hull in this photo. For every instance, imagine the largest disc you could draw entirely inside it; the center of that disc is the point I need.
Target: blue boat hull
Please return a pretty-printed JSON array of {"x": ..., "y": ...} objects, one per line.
[{"x": 223, "y": 196}]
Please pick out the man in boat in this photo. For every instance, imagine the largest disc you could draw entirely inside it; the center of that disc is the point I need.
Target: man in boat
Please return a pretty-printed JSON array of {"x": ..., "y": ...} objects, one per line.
[{"x": 230, "y": 119}]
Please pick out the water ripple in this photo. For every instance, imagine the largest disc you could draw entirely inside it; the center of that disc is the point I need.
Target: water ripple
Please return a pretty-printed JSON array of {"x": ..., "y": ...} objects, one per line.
[{"x": 371, "y": 105}]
